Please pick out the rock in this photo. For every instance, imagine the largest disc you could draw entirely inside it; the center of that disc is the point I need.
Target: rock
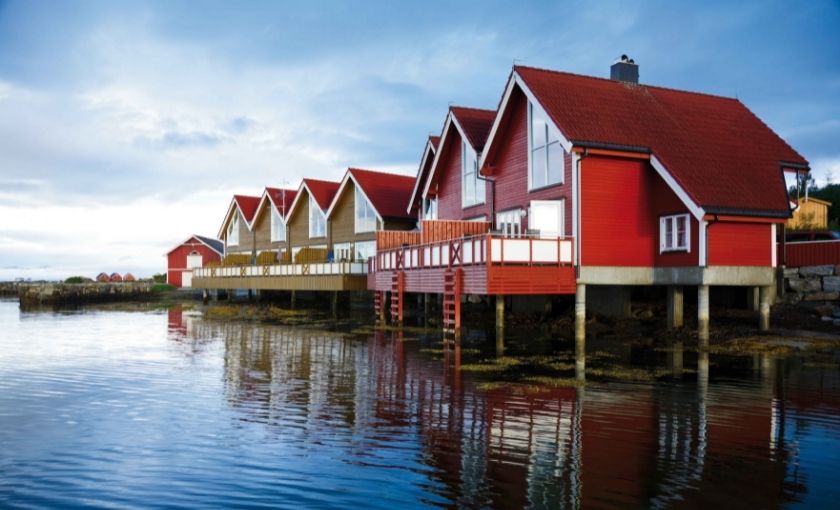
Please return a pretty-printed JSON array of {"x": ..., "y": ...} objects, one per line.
[
  {"x": 822, "y": 296},
  {"x": 825, "y": 310},
  {"x": 805, "y": 285},
  {"x": 827, "y": 319},
  {"x": 831, "y": 283},
  {"x": 824, "y": 270}
]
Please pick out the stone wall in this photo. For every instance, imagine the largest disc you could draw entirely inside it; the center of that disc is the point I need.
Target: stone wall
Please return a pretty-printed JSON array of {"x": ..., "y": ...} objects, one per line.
[
  {"x": 817, "y": 287},
  {"x": 71, "y": 294}
]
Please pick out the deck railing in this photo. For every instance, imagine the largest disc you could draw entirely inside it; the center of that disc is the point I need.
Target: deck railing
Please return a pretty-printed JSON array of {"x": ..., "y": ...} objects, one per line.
[
  {"x": 325, "y": 268},
  {"x": 494, "y": 249},
  {"x": 810, "y": 253}
]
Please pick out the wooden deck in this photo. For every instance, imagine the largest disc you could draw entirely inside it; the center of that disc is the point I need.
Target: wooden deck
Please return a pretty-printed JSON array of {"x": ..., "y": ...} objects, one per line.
[
  {"x": 335, "y": 276},
  {"x": 489, "y": 264}
]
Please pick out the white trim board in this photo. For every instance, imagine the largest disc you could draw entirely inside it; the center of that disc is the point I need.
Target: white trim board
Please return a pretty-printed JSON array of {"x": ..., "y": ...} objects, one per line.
[{"x": 429, "y": 148}]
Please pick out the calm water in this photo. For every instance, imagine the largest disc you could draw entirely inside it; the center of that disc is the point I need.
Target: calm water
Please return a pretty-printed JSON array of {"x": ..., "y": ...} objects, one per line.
[{"x": 164, "y": 410}]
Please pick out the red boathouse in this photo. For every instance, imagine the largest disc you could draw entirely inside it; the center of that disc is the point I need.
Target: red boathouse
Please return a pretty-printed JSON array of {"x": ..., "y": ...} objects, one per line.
[
  {"x": 579, "y": 183},
  {"x": 194, "y": 252}
]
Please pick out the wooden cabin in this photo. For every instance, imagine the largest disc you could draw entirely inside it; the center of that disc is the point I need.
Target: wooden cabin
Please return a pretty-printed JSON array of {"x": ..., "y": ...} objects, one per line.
[
  {"x": 600, "y": 184},
  {"x": 809, "y": 214},
  {"x": 236, "y": 232},
  {"x": 366, "y": 202},
  {"x": 269, "y": 224},
  {"x": 195, "y": 252},
  {"x": 306, "y": 222}
]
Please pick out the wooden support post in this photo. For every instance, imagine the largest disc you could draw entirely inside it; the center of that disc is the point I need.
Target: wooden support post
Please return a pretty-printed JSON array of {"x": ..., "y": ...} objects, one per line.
[
  {"x": 703, "y": 317},
  {"x": 500, "y": 314},
  {"x": 580, "y": 330},
  {"x": 334, "y": 304},
  {"x": 427, "y": 306},
  {"x": 675, "y": 306},
  {"x": 764, "y": 308},
  {"x": 293, "y": 304}
]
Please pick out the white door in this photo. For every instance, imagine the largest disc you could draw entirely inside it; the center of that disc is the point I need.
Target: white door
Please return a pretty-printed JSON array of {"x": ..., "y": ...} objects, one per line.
[
  {"x": 194, "y": 260},
  {"x": 547, "y": 217},
  {"x": 186, "y": 278}
]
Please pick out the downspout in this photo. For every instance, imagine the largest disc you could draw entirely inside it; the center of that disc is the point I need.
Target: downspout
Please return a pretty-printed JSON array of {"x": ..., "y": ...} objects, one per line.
[{"x": 577, "y": 242}]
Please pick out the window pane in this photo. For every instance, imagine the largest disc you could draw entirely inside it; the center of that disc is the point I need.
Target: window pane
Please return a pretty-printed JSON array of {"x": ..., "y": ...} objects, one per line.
[
  {"x": 555, "y": 163},
  {"x": 547, "y": 217},
  {"x": 538, "y": 128},
  {"x": 538, "y": 168},
  {"x": 669, "y": 233},
  {"x": 681, "y": 238}
]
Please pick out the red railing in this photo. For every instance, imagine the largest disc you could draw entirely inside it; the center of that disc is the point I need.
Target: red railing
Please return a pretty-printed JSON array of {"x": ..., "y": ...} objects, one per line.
[
  {"x": 491, "y": 249},
  {"x": 810, "y": 253}
]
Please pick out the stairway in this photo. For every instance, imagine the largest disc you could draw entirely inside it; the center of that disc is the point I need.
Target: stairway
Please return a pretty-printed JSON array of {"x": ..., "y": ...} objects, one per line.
[
  {"x": 452, "y": 280},
  {"x": 397, "y": 285}
]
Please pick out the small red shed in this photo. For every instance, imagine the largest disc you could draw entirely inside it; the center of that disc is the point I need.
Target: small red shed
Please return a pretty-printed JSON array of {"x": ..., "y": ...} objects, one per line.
[{"x": 196, "y": 251}]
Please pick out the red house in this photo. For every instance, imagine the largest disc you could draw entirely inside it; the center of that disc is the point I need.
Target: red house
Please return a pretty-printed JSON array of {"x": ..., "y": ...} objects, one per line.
[
  {"x": 196, "y": 251},
  {"x": 634, "y": 184}
]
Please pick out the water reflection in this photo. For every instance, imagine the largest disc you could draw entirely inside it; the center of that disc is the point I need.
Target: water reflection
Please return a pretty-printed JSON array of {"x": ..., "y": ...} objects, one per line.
[
  {"x": 687, "y": 442},
  {"x": 230, "y": 414}
]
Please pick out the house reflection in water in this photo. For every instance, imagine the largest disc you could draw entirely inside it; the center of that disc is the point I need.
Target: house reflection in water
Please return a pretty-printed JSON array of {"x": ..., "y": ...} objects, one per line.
[{"x": 378, "y": 401}]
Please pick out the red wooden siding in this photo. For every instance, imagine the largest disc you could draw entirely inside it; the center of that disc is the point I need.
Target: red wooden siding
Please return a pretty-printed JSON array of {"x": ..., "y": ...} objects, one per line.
[
  {"x": 448, "y": 178},
  {"x": 666, "y": 202},
  {"x": 812, "y": 253},
  {"x": 740, "y": 244},
  {"x": 510, "y": 162},
  {"x": 176, "y": 260},
  {"x": 616, "y": 225}
]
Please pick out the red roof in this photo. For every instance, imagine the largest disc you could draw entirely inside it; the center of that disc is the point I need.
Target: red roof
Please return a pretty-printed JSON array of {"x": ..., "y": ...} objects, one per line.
[
  {"x": 476, "y": 124},
  {"x": 388, "y": 193},
  {"x": 248, "y": 205},
  {"x": 718, "y": 151},
  {"x": 322, "y": 191},
  {"x": 281, "y": 198},
  {"x": 435, "y": 141}
]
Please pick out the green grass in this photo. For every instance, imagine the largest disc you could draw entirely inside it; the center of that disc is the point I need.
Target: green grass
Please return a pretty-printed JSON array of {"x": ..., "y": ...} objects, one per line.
[
  {"x": 75, "y": 279},
  {"x": 162, "y": 287}
]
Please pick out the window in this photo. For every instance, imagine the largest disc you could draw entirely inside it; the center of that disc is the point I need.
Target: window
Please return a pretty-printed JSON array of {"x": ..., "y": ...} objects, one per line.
[
  {"x": 510, "y": 222},
  {"x": 430, "y": 208},
  {"x": 674, "y": 233},
  {"x": 365, "y": 250},
  {"x": 547, "y": 218},
  {"x": 317, "y": 220},
  {"x": 194, "y": 260},
  {"x": 365, "y": 215},
  {"x": 233, "y": 231},
  {"x": 546, "y": 161},
  {"x": 278, "y": 227},
  {"x": 342, "y": 252},
  {"x": 472, "y": 188}
]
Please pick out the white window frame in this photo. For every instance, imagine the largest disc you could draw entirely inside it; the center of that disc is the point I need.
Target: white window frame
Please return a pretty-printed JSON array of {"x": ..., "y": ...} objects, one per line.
[
  {"x": 316, "y": 213},
  {"x": 278, "y": 226},
  {"x": 364, "y": 215},
  {"x": 233, "y": 231},
  {"x": 669, "y": 242},
  {"x": 550, "y": 139},
  {"x": 469, "y": 174},
  {"x": 510, "y": 222},
  {"x": 560, "y": 204}
]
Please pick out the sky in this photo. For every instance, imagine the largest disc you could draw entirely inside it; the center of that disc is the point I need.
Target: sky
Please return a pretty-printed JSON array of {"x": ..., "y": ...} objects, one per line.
[{"x": 126, "y": 127}]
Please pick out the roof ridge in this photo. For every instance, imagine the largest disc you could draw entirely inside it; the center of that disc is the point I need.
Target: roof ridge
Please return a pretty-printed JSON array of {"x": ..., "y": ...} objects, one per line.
[
  {"x": 472, "y": 108},
  {"x": 609, "y": 80}
]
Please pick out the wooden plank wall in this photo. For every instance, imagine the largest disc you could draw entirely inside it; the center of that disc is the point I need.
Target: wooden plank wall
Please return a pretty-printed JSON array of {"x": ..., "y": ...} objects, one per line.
[
  {"x": 432, "y": 231},
  {"x": 387, "y": 239}
]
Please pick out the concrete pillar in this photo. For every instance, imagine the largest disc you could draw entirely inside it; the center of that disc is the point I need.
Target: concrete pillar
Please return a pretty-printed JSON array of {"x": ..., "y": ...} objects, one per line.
[
  {"x": 500, "y": 313},
  {"x": 675, "y": 306},
  {"x": 293, "y": 304},
  {"x": 427, "y": 307},
  {"x": 675, "y": 359},
  {"x": 703, "y": 317},
  {"x": 703, "y": 372},
  {"x": 764, "y": 308},
  {"x": 753, "y": 298},
  {"x": 334, "y": 304},
  {"x": 580, "y": 328}
]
